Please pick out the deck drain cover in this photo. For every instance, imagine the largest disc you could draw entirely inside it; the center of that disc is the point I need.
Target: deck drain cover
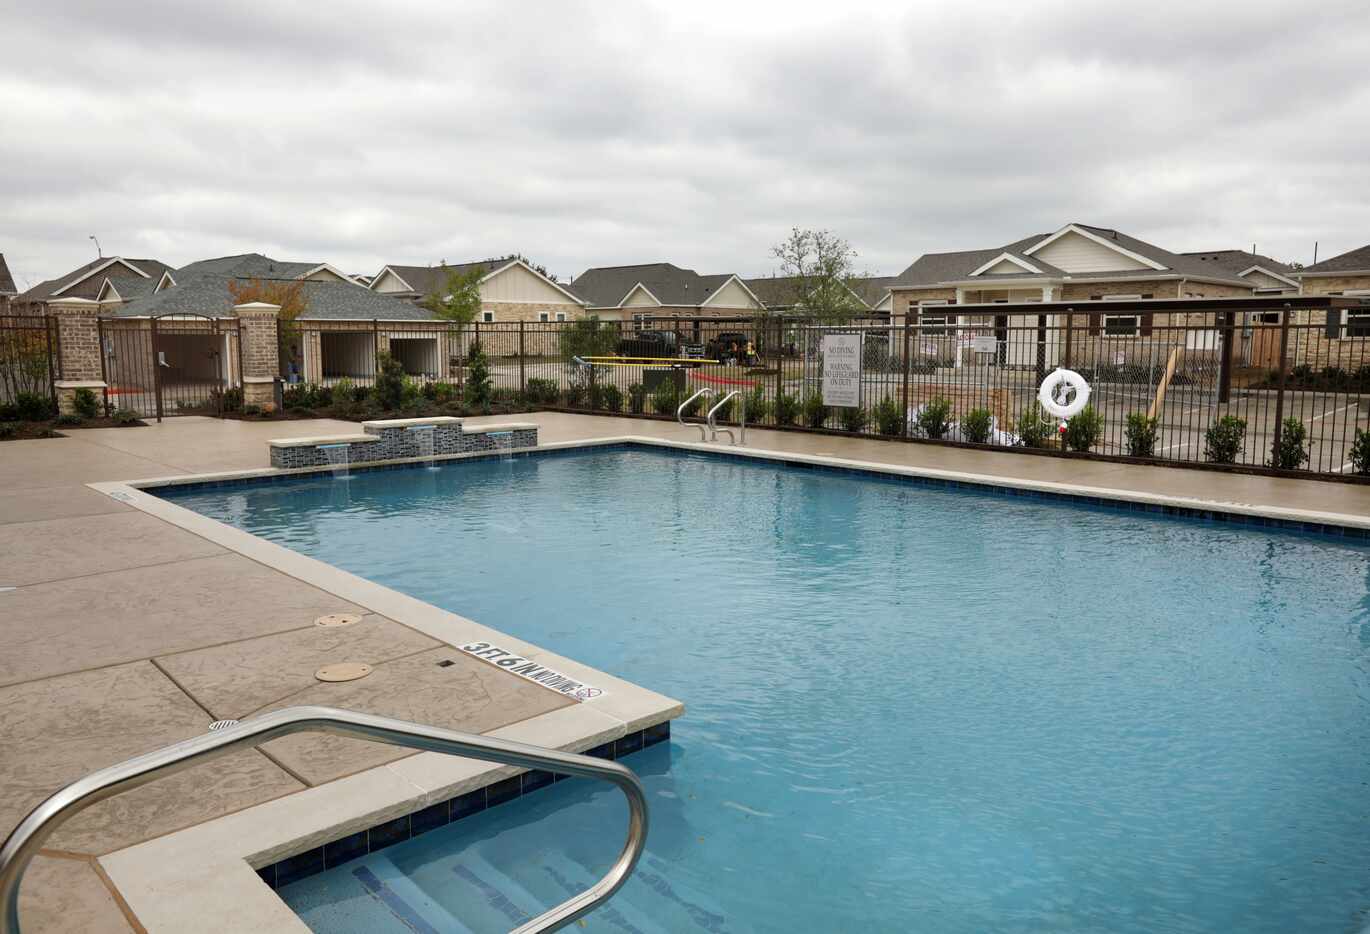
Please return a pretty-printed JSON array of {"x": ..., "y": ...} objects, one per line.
[
  {"x": 343, "y": 671},
  {"x": 338, "y": 619},
  {"x": 218, "y": 725}
]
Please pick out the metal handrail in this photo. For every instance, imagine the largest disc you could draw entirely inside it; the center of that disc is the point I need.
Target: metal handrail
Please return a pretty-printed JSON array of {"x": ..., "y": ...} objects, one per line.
[
  {"x": 26, "y": 839},
  {"x": 715, "y": 431},
  {"x": 680, "y": 412}
]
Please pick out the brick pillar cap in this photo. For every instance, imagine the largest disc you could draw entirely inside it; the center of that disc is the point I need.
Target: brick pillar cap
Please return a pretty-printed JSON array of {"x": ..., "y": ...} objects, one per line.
[{"x": 256, "y": 306}]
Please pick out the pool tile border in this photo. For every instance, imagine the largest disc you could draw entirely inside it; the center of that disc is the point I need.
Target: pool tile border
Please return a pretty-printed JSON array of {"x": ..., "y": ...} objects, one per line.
[{"x": 436, "y": 816}]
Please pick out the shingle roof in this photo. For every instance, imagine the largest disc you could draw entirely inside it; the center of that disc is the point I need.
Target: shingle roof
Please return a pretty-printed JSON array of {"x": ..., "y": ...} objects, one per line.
[
  {"x": 783, "y": 291},
  {"x": 6, "y": 280},
  {"x": 202, "y": 288},
  {"x": 91, "y": 286},
  {"x": 1238, "y": 261},
  {"x": 934, "y": 268},
  {"x": 606, "y": 286},
  {"x": 1354, "y": 260},
  {"x": 425, "y": 280}
]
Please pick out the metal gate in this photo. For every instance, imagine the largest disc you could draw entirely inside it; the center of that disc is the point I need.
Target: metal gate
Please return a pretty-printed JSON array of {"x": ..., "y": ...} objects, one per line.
[{"x": 173, "y": 364}]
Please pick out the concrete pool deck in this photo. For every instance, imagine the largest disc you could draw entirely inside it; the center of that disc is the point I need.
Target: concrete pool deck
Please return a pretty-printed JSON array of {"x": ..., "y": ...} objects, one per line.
[{"x": 125, "y": 632}]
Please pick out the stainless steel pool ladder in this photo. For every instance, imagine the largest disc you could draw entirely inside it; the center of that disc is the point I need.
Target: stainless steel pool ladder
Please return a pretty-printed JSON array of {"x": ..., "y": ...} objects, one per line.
[
  {"x": 680, "y": 412},
  {"x": 26, "y": 839},
  {"x": 715, "y": 431}
]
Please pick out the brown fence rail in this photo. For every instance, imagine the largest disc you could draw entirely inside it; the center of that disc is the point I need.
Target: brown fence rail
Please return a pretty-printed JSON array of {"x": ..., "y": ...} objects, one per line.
[
  {"x": 1256, "y": 388},
  {"x": 28, "y": 360}
]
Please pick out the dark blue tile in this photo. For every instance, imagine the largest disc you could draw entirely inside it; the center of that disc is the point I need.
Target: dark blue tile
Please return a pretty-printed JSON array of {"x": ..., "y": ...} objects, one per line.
[
  {"x": 535, "y": 779},
  {"x": 500, "y": 792},
  {"x": 430, "y": 818},
  {"x": 473, "y": 802},
  {"x": 349, "y": 847},
  {"x": 294, "y": 868},
  {"x": 605, "y": 751},
  {"x": 629, "y": 743},
  {"x": 657, "y": 733},
  {"x": 268, "y": 874},
  {"x": 389, "y": 833}
]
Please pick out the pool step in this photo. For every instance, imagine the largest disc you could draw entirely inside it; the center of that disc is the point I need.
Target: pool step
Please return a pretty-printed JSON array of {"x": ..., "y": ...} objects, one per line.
[
  {"x": 562, "y": 877},
  {"x": 373, "y": 894}
]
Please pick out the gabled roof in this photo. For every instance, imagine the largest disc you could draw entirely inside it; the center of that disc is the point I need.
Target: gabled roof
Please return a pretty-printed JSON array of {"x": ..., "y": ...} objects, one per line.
[
  {"x": 1239, "y": 261},
  {"x": 425, "y": 280},
  {"x": 673, "y": 286},
  {"x": 1357, "y": 261},
  {"x": 782, "y": 291},
  {"x": 968, "y": 267},
  {"x": 6, "y": 280},
  {"x": 86, "y": 281},
  {"x": 125, "y": 289},
  {"x": 203, "y": 288}
]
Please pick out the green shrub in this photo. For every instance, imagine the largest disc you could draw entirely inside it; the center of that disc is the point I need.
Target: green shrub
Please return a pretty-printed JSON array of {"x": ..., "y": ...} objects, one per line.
[
  {"x": 1360, "y": 452},
  {"x": 1031, "y": 430},
  {"x": 86, "y": 403},
  {"x": 665, "y": 400},
  {"x": 9, "y": 412},
  {"x": 756, "y": 406},
  {"x": 252, "y": 409},
  {"x": 610, "y": 398},
  {"x": 1292, "y": 450},
  {"x": 390, "y": 384},
  {"x": 478, "y": 381},
  {"x": 815, "y": 413},
  {"x": 34, "y": 407},
  {"x": 233, "y": 399},
  {"x": 1140, "y": 435},
  {"x": 786, "y": 409},
  {"x": 637, "y": 399},
  {"x": 853, "y": 418},
  {"x": 934, "y": 419},
  {"x": 8, "y": 429},
  {"x": 69, "y": 418},
  {"x": 1084, "y": 429},
  {"x": 1224, "y": 440},
  {"x": 725, "y": 411},
  {"x": 124, "y": 417},
  {"x": 889, "y": 417},
  {"x": 977, "y": 425},
  {"x": 576, "y": 396},
  {"x": 541, "y": 391}
]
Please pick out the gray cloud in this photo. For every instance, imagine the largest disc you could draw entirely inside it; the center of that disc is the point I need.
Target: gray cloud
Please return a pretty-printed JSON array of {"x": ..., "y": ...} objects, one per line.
[{"x": 586, "y": 134}]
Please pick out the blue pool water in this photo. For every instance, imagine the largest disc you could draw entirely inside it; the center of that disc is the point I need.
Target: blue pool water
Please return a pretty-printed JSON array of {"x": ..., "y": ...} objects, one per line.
[{"x": 906, "y": 708}]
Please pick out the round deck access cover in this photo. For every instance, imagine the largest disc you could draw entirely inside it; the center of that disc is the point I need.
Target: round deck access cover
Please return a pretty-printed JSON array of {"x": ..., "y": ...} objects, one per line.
[
  {"x": 343, "y": 671},
  {"x": 338, "y": 619}
]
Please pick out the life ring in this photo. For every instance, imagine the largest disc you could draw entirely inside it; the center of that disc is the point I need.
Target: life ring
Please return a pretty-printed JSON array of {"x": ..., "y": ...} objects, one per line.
[{"x": 1068, "y": 379}]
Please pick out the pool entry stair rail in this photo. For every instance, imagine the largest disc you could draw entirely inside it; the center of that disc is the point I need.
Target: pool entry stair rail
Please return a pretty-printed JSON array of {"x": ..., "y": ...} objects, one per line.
[
  {"x": 26, "y": 839},
  {"x": 706, "y": 392},
  {"x": 715, "y": 431}
]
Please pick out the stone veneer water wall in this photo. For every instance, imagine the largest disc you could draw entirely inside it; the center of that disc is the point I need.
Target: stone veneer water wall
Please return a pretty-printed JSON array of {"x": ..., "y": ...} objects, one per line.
[{"x": 400, "y": 439}]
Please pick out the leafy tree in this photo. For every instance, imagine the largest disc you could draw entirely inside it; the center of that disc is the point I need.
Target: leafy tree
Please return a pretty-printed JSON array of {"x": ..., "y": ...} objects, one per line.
[
  {"x": 457, "y": 296},
  {"x": 479, "y": 385},
  {"x": 820, "y": 267},
  {"x": 588, "y": 337}
]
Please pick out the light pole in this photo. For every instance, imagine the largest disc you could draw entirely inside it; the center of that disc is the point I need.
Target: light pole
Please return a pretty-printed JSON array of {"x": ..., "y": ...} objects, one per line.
[{"x": 98, "y": 252}]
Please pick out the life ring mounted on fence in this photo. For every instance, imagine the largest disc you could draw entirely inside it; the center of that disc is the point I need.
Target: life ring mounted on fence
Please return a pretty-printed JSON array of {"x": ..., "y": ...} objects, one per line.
[{"x": 1058, "y": 386}]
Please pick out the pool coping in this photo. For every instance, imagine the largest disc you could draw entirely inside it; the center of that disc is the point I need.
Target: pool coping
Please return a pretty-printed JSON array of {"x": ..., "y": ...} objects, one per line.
[{"x": 209, "y": 871}]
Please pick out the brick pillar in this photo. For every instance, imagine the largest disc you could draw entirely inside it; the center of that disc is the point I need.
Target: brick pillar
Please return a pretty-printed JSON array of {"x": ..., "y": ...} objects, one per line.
[
  {"x": 260, "y": 352},
  {"x": 79, "y": 352}
]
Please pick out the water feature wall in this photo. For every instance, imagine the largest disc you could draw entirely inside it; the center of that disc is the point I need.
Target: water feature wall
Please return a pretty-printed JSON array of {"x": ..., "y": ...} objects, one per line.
[{"x": 393, "y": 439}]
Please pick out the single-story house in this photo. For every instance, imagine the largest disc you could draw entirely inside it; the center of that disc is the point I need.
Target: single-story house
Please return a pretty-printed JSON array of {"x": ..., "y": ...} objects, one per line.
[
  {"x": 662, "y": 290},
  {"x": 123, "y": 279},
  {"x": 1267, "y": 276},
  {"x": 7, "y": 289},
  {"x": 1345, "y": 274},
  {"x": 510, "y": 289}
]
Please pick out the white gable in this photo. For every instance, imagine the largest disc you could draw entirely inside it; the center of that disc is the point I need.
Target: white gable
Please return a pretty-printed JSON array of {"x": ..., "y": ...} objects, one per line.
[
  {"x": 1263, "y": 280},
  {"x": 324, "y": 274},
  {"x": 390, "y": 282},
  {"x": 1002, "y": 267},
  {"x": 732, "y": 295},
  {"x": 640, "y": 297},
  {"x": 1074, "y": 252},
  {"x": 517, "y": 283}
]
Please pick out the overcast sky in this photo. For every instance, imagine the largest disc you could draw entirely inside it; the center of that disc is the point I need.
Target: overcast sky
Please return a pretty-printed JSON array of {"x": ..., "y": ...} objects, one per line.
[{"x": 590, "y": 133}]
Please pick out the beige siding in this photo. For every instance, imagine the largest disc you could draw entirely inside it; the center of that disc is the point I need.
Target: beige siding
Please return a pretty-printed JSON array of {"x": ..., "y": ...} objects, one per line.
[
  {"x": 1262, "y": 281},
  {"x": 1005, "y": 266},
  {"x": 1074, "y": 253},
  {"x": 640, "y": 298},
  {"x": 389, "y": 283},
  {"x": 323, "y": 275},
  {"x": 518, "y": 284},
  {"x": 732, "y": 295}
]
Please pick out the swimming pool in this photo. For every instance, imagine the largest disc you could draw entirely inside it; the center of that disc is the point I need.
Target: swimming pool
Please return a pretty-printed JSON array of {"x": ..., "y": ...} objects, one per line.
[{"x": 907, "y": 708}]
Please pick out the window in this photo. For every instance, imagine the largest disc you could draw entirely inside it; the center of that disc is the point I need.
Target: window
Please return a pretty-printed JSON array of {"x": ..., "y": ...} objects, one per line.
[
  {"x": 932, "y": 323},
  {"x": 487, "y": 316},
  {"x": 1268, "y": 317},
  {"x": 1357, "y": 323},
  {"x": 542, "y": 316},
  {"x": 561, "y": 316},
  {"x": 1120, "y": 325}
]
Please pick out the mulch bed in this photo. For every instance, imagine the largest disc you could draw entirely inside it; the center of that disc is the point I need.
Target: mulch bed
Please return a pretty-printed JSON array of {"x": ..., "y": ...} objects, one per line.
[{"x": 28, "y": 431}]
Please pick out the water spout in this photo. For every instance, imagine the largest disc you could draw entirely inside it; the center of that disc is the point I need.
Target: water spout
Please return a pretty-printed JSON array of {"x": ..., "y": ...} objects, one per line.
[
  {"x": 423, "y": 438},
  {"x": 338, "y": 459},
  {"x": 504, "y": 443}
]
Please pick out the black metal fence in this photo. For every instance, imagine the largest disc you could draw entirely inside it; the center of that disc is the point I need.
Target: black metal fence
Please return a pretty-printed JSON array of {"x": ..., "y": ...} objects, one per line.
[
  {"x": 1253, "y": 388},
  {"x": 171, "y": 365},
  {"x": 28, "y": 360}
]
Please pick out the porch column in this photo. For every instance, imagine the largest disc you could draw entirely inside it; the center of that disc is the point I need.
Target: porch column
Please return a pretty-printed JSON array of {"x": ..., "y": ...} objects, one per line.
[
  {"x": 1048, "y": 291},
  {"x": 79, "y": 354},
  {"x": 260, "y": 352}
]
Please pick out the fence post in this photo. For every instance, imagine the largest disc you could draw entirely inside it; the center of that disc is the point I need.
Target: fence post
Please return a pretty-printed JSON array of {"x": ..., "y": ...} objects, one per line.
[
  {"x": 1225, "y": 359},
  {"x": 375, "y": 346},
  {"x": 1070, "y": 330},
  {"x": 77, "y": 347},
  {"x": 156, "y": 367},
  {"x": 52, "y": 364},
  {"x": 904, "y": 419},
  {"x": 1284, "y": 367},
  {"x": 258, "y": 326},
  {"x": 523, "y": 376}
]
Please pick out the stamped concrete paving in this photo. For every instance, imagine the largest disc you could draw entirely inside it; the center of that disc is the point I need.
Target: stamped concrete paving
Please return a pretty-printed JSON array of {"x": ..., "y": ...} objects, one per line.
[{"x": 123, "y": 636}]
